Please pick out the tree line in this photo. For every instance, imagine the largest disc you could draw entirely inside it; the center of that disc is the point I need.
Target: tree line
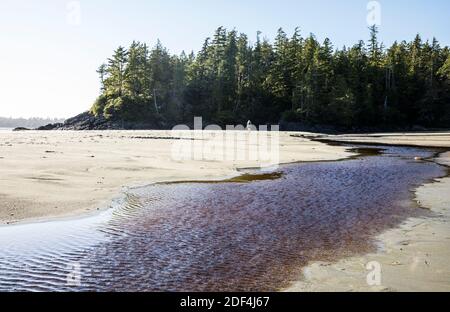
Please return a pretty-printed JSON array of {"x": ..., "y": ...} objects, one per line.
[{"x": 294, "y": 79}]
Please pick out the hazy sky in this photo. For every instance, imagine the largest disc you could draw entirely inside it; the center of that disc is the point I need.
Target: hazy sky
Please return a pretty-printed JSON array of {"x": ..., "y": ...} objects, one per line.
[{"x": 50, "y": 49}]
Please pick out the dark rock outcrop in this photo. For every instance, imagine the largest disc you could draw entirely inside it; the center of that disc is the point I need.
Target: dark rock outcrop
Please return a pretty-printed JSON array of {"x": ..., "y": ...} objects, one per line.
[
  {"x": 50, "y": 126},
  {"x": 21, "y": 129},
  {"x": 88, "y": 121}
]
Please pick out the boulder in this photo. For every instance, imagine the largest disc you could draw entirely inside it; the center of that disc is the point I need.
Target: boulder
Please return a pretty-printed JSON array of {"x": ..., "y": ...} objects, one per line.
[{"x": 21, "y": 129}]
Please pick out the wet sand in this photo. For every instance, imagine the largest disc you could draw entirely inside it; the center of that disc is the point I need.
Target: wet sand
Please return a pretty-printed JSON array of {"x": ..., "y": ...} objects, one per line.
[
  {"x": 63, "y": 174},
  {"x": 429, "y": 139},
  {"x": 251, "y": 233},
  {"x": 59, "y": 174},
  {"x": 413, "y": 256}
]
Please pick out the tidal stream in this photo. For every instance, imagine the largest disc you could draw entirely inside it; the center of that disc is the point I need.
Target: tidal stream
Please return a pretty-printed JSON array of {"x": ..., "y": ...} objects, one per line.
[{"x": 245, "y": 234}]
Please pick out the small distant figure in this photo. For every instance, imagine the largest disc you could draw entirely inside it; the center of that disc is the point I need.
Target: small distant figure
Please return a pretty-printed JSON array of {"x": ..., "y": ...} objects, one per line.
[{"x": 249, "y": 126}]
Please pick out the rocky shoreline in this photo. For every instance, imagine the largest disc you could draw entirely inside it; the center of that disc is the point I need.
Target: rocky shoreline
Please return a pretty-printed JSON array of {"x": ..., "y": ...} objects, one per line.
[{"x": 88, "y": 121}]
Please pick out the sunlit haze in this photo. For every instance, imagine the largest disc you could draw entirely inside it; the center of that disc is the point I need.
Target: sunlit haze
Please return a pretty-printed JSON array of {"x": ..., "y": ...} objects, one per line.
[{"x": 49, "y": 56}]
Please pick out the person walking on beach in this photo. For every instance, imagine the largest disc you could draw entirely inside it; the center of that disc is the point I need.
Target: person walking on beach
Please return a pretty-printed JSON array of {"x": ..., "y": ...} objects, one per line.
[{"x": 249, "y": 126}]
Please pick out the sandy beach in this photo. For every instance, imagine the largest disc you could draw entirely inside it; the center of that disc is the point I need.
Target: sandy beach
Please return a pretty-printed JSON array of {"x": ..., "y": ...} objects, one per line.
[
  {"x": 62, "y": 174},
  {"x": 46, "y": 175},
  {"x": 413, "y": 257},
  {"x": 429, "y": 139}
]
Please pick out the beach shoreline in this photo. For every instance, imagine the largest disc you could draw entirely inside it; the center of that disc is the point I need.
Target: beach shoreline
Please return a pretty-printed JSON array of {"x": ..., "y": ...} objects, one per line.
[
  {"x": 411, "y": 257},
  {"x": 65, "y": 174},
  {"x": 424, "y": 236}
]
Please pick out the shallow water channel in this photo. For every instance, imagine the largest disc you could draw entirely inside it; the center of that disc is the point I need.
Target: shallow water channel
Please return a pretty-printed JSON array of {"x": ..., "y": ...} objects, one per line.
[{"x": 253, "y": 233}]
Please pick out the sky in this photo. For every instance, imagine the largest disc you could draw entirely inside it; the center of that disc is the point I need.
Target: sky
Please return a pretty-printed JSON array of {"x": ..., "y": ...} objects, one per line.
[{"x": 50, "y": 49}]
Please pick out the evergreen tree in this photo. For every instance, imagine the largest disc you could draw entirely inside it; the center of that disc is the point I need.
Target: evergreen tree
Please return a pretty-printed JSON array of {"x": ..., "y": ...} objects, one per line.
[{"x": 298, "y": 79}]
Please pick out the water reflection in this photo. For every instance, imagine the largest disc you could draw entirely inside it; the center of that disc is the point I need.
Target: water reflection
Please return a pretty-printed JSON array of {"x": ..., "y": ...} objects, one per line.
[{"x": 234, "y": 236}]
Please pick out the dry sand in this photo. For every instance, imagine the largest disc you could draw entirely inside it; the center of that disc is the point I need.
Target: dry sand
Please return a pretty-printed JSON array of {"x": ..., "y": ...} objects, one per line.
[
  {"x": 56, "y": 173},
  {"x": 430, "y": 139},
  {"x": 413, "y": 257}
]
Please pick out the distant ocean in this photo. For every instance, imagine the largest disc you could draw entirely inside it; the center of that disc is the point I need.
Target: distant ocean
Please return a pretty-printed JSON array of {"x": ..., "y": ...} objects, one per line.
[{"x": 5, "y": 129}]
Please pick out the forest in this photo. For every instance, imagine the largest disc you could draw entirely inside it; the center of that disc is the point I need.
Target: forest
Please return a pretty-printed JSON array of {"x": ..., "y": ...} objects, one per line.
[{"x": 293, "y": 79}]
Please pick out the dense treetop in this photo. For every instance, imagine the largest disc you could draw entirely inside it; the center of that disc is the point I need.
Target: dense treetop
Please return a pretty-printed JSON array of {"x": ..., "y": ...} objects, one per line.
[{"x": 294, "y": 79}]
